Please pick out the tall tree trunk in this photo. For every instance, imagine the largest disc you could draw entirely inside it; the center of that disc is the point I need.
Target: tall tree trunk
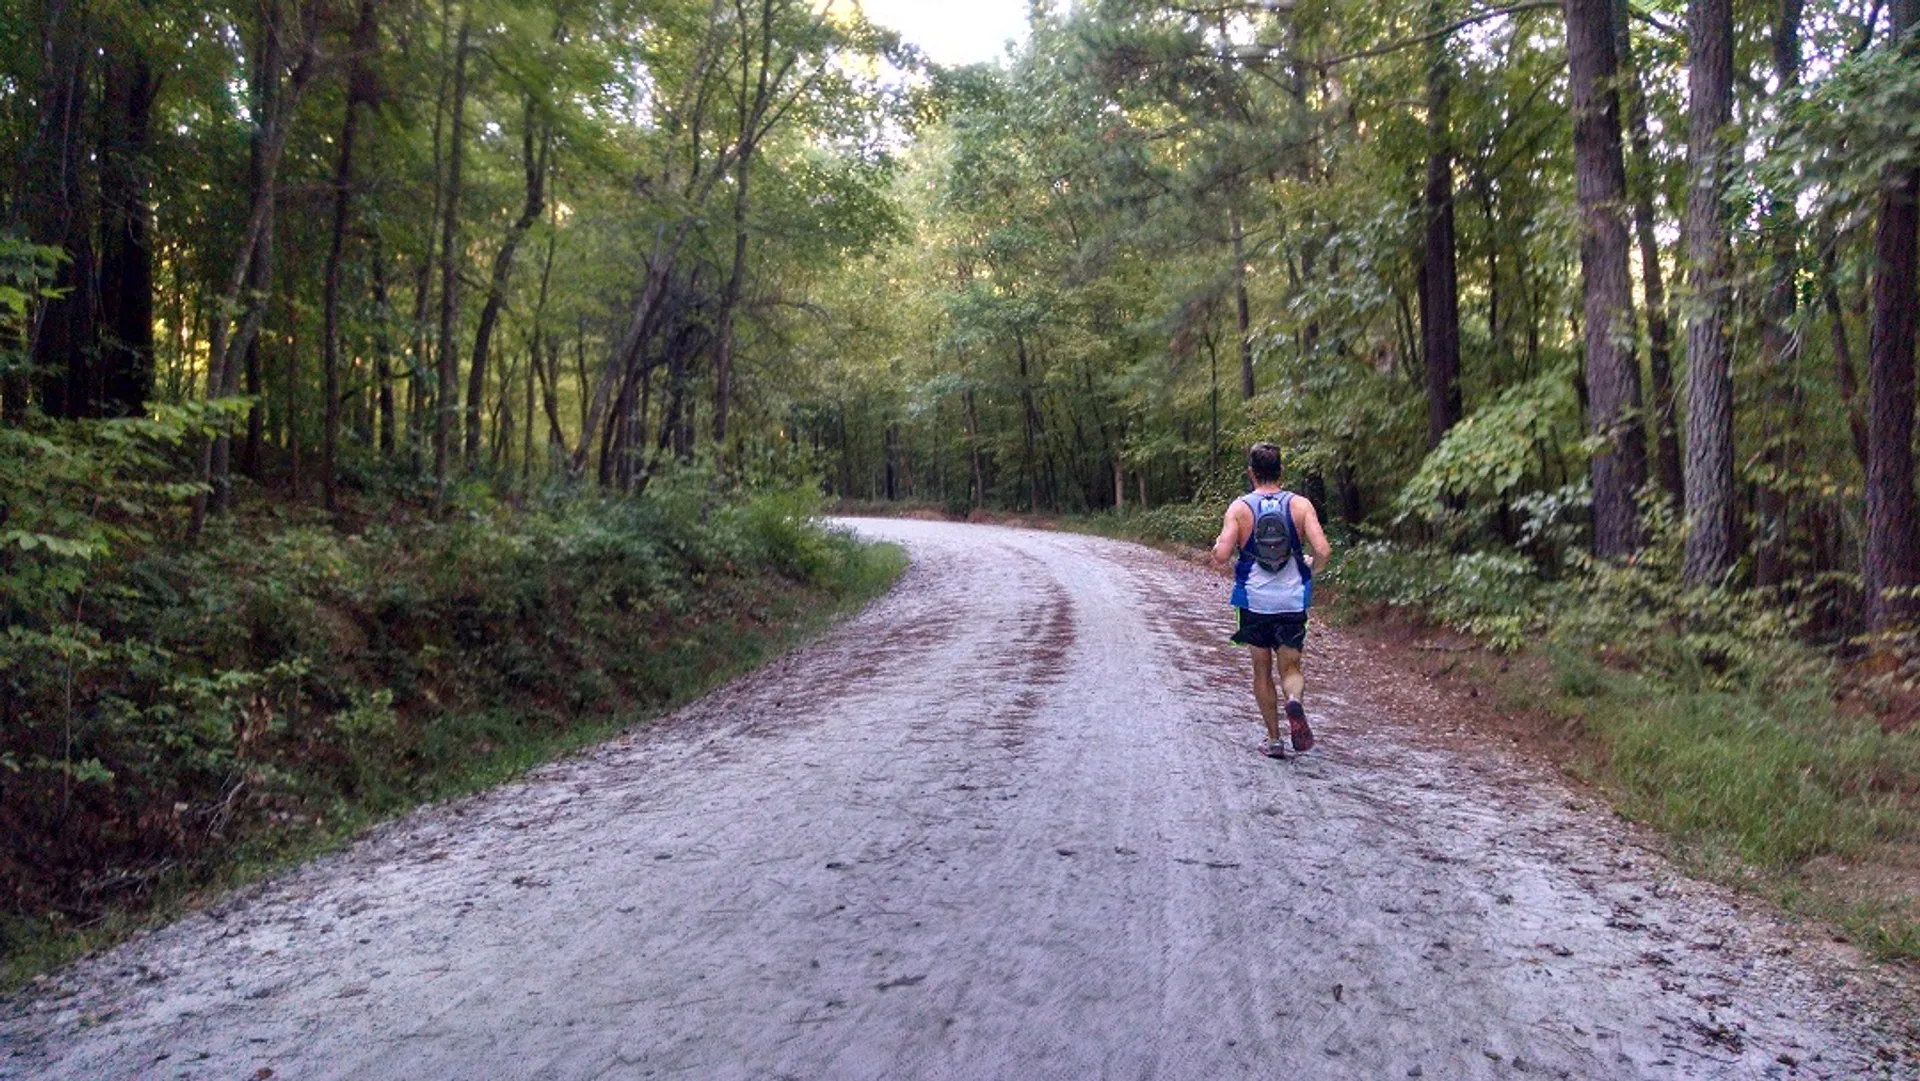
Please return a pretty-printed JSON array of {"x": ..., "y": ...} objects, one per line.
[
  {"x": 1613, "y": 378},
  {"x": 1843, "y": 371},
  {"x": 1029, "y": 427},
  {"x": 266, "y": 94},
  {"x": 447, "y": 383},
  {"x": 52, "y": 203},
  {"x": 550, "y": 398},
  {"x": 1440, "y": 310},
  {"x": 359, "y": 43},
  {"x": 535, "y": 147},
  {"x": 758, "y": 83},
  {"x": 254, "y": 384},
  {"x": 383, "y": 352},
  {"x": 1709, "y": 473},
  {"x": 126, "y": 375},
  {"x": 973, "y": 450},
  {"x": 729, "y": 299},
  {"x": 527, "y": 410},
  {"x": 1666, "y": 432},
  {"x": 422, "y": 393},
  {"x": 1774, "y": 550},
  {"x": 1241, "y": 320},
  {"x": 229, "y": 341},
  {"x": 535, "y": 367},
  {"x": 1892, "y": 566},
  {"x": 290, "y": 365}
]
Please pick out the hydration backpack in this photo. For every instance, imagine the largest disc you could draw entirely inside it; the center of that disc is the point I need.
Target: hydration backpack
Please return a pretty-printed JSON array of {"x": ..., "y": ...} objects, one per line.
[{"x": 1275, "y": 541}]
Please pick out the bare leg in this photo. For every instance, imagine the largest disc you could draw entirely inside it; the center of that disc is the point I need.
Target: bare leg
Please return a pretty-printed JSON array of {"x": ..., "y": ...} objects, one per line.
[
  {"x": 1263, "y": 691},
  {"x": 1292, "y": 679}
]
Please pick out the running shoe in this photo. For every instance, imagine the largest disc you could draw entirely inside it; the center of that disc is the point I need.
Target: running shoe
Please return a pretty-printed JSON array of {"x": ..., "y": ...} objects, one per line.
[
  {"x": 1276, "y": 748},
  {"x": 1297, "y": 725}
]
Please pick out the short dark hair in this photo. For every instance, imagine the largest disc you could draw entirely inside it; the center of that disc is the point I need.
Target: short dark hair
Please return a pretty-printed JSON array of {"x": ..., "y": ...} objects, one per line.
[{"x": 1264, "y": 460}]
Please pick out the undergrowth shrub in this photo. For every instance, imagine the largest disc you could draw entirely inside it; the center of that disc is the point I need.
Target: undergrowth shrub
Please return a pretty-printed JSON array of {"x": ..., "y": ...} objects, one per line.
[
  {"x": 1496, "y": 595},
  {"x": 163, "y": 703}
]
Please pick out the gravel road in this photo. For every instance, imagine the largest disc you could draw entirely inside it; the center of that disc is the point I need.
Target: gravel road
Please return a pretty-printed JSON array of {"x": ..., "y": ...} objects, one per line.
[{"x": 1010, "y": 822}]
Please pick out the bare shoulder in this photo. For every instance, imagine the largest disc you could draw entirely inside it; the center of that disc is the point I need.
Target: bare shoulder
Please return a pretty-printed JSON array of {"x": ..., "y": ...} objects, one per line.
[
  {"x": 1237, "y": 510},
  {"x": 1303, "y": 509}
]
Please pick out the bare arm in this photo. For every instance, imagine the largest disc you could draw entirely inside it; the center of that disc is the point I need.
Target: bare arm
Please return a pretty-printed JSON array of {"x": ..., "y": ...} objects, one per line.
[
  {"x": 1233, "y": 532},
  {"x": 1314, "y": 539}
]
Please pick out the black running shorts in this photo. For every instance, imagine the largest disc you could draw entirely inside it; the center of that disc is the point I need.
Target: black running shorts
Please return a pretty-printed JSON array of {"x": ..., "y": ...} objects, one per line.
[{"x": 1272, "y": 630}]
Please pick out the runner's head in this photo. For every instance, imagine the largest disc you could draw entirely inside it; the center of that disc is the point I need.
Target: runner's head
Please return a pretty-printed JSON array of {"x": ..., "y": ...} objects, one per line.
[{"x": 1263, "y": 462}]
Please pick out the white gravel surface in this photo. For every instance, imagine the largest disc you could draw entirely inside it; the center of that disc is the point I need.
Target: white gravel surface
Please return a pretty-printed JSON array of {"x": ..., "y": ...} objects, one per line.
[{"x": 1010, "y": 822}]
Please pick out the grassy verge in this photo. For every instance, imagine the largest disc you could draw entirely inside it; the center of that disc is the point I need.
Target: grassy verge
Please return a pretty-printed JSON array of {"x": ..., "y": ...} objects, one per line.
[
  {"x": 302, "y": 685},
  {"x": 1779, "y": 790}
]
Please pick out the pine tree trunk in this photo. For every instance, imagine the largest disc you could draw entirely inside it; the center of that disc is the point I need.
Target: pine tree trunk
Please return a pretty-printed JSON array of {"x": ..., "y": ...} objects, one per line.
[
  {"x": 1440, "y": 309},
  {"x": 1241, "y": 320},
  {"x": 1892, "y": 566},
  {"x": 447, "y": 384},
  {"x": 361, "y": 40},
  {"x": 1612, "y": 376},
  {"x": 382, "y": 353},
  {"x": 52, "y": 204},
  {"x": 535, "y": 163},
  {"x": 1666, "y": 432},
  {"x": 1775, "y": 548},
  {"x": 228, "y": 342},
  {"x": 125, "y": 365},
  {"x": 1709, "y": 472},
  {"x": 973, "y": 450}
]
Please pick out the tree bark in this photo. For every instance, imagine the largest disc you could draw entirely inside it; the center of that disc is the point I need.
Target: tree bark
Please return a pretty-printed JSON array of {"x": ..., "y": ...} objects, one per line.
[
  {"x": 125, "y": 366},
  {"x": 973, "y": 450},
  {"x": 51, "y": 204},
  {"x": 421, "y": 391},
  {"x": 1666, "y": 432},
  {"x": 758, "y": 84},
  {"x": 1241, "y": 320},
  {"x": 535, "y": 147},
  {"x": 1613, "y": 378},
  {"x": 1440, "y": 310},
  {"x": 1774, "y": 548},
  {"x": 1843, "y": 371},
  {"x": 359, "y": 43},
  {"x": 1709, "y": 472},
  {"x": 382, "y": 353},
  {"x": 447, "y": 383},
  {"x": 228, "y": 342},
  {"x": 1892, "y": 565}
]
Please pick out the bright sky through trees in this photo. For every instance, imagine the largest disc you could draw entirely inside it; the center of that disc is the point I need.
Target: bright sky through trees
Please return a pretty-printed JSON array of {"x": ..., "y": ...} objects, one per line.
[{"x": 969, "y": 32}]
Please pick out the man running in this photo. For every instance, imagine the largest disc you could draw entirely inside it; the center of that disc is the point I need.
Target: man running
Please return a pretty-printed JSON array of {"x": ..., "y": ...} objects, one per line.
[{"x": 1280, "y": 544}]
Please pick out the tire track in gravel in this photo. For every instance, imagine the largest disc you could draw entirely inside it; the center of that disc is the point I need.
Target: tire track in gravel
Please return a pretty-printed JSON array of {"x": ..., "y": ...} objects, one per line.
[{"x": 1009, "y": 822}]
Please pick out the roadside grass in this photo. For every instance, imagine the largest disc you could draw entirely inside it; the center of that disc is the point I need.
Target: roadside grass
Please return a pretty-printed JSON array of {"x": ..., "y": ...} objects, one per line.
[
  {"x": 461, "y": 751},
  {"x": 1767, "y": 789}
]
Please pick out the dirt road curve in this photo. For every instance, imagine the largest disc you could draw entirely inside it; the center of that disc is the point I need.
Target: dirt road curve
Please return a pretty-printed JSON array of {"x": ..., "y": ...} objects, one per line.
[{"x": 1009, "y": 823}]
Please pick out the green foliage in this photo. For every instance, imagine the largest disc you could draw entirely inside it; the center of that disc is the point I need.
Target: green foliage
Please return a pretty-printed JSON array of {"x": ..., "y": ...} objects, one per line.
[
  {"x": 1486, "y": 458},
  {"x": 26, "y": 276},
  {"x": 1836, "y": 138},
  {"x": 1498, "y": 596},
  {"x": 165, "y": 704}
]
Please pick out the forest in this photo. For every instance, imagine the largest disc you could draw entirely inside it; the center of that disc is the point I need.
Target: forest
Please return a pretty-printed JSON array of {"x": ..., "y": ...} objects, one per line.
[
  {"x": 1514, "y": 277},
  {"x": 370, "y": 362}
]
